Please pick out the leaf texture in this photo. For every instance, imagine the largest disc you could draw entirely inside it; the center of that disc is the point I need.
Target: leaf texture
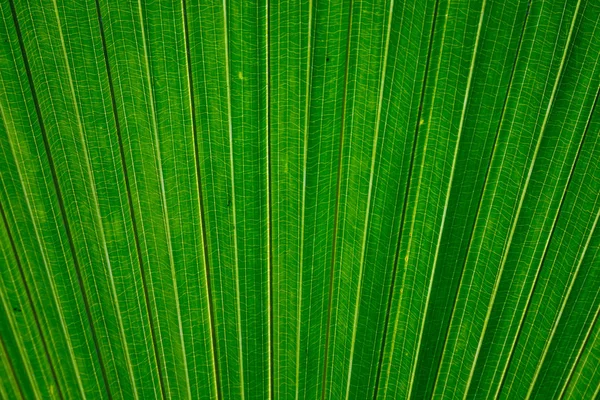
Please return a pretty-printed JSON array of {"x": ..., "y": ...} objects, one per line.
[{"x": 300, "y": 200}]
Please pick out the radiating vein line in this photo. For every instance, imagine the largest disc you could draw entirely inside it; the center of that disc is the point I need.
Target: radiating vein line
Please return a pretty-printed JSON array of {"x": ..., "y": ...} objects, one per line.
[
  {"x": 32, "y": 212},
  {"x": 110, "y": 358},
  {"x": 11, "y": 369},
  {"x": 151, "y": 299},
  {"x": 208, "y": 298},
  {"x": 30, "y": 299},
  {"x": 207, "y": 277},
  {"x": 269, "y": 215},
  {"x": 571, "y": 172},
  {"x": 130, "y": 200},
  {"x": 418, "y": 190},
  {"x": 573, "y": 278},
  {"x": 211, "y": 177},
  {"x": 163, "y": 194},
  {"x": 351, "y": 119},
  {"x": 487, "y": 169},
  {"x": 11, "y": 317},
  {"x": 308, "y": 85},
  {"x": 233, "y": 199},
  {"x": 479, "y": 205},
  {"x": 588, "y": 340},
  {"x": 370, "y": 193},
  {"x": 22, "y": 352},
  {"x": 403, "y": 217},
  {"x": 418, "y": 193},
  {"x": 98, "y": 217},
  {"x": 13, "y": 245},
  {"x": 507, "y": 244},
  {"x": 584, "y": 343},
  {"x": 415, "y": 209},
  {"x": 546, "y": 247},
  {"x": 447, "y": 198},
  {"x": 523, "y": 195},
  {"x": 337, "y": 205},
  {"x": 61, "y": 205}
]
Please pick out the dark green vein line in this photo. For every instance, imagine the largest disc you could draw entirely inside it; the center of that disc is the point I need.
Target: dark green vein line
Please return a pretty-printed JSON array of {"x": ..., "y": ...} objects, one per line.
[
  {"x": 337, "y": 203},
  {"x": 156, "y": 148},
  {"x": 11, "y": 367},
  {"x": 542, "y": 261},
  {"x": 405, "y": 203},
  {"x": 306, "y": 128},
  {"x": 238, "y": 316},
  {"x": 206, "y": 261},
  {"x": 30, "y": 299},
  {"x": 207, "y": 273},
  {"x": 201, "y": 200},
  {"x": 503, "y": 113},
  {"x": 549, "y": 108},
  {"x": 448, "y": 194},
  {"x": 586, "y": 341},
  {"x": 369, "y": 207},
  {"x": 564, "y": 302},
  {"x": 59, "y": 198},
  {"x": 129, "y": 198}
]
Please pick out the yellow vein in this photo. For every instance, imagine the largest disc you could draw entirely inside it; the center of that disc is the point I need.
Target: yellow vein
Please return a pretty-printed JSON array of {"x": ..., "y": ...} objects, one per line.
[
  {"x": 596, "y": 392},
  {"x": 350, "y": 149},
  {"x": 592, "y": 346},
  {"x": 447, "y": 199},
  {"x": 337, "y": 204},
  {"x": 6, "y": 362},
  {"x": 58, "y": 192},
  {"x": 33, "y": 209},
  {"x": 471, "y": 238},
  {"x": 192, "y": 106},
  {"x": 149, "y": 290},
  {"x": 595, "y": 345},
  {"x": 415, "y": 209},
  {"x": 587, "y": 340},
  {"x": 303, "y": 205},
  {"x": 509, "y": 240},
  {"x": 29, "y": 303},
  {"x": 548, "y": 240},
  {"x": 32, "y": 212},
  {"x": 18, "y": 336},
  {"x": 115, "y": 156},
  {"x": 573, "y": 278},
  {"x": 98, "y": 217},
  {"x": 163, "y": 195},
  {"x": 343, "y": 221},
  {"x": 410, "y": 170},
  {"x": 233, "y": 202},
  {"x": 203, "y": 45},
  {"x": 311, "y": 264},
  {"x": 523, "y": 194},
  {"x": 10, "y": 316},
  {"x": 154, "y": 350},
  {"x": 370, "y": 194},
  {"x": 268, "y": 201}
]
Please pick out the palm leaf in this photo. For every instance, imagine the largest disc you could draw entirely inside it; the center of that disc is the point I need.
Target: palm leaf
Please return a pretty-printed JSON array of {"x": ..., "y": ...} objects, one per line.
[{"x": 316, "y": 200}]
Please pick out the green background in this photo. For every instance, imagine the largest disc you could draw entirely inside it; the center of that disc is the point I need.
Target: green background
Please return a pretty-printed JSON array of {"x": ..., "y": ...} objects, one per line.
[{"x": 299, "y": 199}]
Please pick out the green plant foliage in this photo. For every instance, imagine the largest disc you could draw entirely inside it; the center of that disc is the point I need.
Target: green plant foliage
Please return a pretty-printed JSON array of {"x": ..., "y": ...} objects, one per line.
[{"x": 301, "y": 199}]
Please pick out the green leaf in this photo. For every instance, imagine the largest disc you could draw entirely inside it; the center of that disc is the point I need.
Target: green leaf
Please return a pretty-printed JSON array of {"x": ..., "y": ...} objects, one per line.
[{"x": 299, "y": 200}]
